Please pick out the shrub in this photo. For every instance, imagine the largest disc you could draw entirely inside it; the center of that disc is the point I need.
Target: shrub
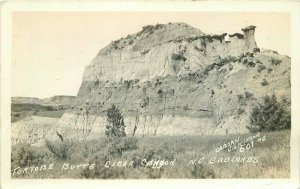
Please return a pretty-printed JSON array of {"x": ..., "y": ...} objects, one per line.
[
  {"x": 208, "y": 69},
  {"x": 97, "y": 82},
  {"x": 144, "y": 90},
  {"x": 101, "y": 172},
  {"x": 270, "y": 115},
  {"x": 178, "y": 57},
  {"x": 61, "y": 149},
  {"x": 270, "y": 70},
  {"x": 226, "y": 60},
  {"x": 157, "y": 82},
  {"x": 145, "y": 102},
  {"x": 154, "y": 173},
  {"x": 255, "y": 50},
  {"x": 130, "y": 42},
  {"x": 261, "y": 68},
  {"x": 258, "y": 62},
  {"x": 115, "y": 123},
  {"x": 186, "y": 107},
  {"x": 158, "y": 26},
  {"x": 240, "y": 97},
  {"x": 250, "y": 54},
  {"x": 128, "y": 83},
  {"x": 264, "y": 82},
  {"x": 240, "y": 111},
  {"x": 148, "y": 28},
  {"x": 114, "y": 46},
  {"x": 275, "y": 61},
  {"x": 116, "y": 146},
  {"x": 248, "y": 95},
  {"x": 24, "y": 156},
  {"x": 251, "y": 64},
  {"x": 201, "y": 171},
  {"x": 160, "y": 93}
]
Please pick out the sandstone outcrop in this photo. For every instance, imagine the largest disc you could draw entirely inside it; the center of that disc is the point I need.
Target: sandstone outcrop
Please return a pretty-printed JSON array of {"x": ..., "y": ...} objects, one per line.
[
  {"x": 173, "y": 79},
  {"x": 162, "y": 50}
]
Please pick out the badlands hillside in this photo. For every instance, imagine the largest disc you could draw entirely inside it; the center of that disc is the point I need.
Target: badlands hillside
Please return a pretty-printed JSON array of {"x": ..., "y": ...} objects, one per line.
[
  {"x": 22, "y": 107},
  {"x": 173, "y": 79},
  {"x": 52, "y": 101}
]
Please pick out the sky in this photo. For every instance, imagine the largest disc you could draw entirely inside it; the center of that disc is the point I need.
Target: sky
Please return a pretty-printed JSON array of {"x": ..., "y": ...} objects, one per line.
[{"x": 51, "y": 49}]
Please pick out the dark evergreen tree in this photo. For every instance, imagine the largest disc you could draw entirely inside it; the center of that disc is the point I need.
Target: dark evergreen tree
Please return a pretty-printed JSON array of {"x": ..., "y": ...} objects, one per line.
[
  {"x": 115, "y": 123},
  {"x": 270, "y": 115}
]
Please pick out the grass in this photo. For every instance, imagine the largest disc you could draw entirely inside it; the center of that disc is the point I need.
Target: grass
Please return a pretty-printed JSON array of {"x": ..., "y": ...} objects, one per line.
[
  {"x": 17, "y": 116},
  {"x": 51, "y": 114},
  {"x": 272, "y": 158}
]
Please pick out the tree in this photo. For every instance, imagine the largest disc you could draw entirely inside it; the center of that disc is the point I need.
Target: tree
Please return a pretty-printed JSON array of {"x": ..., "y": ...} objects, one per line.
[
  {"x": 270, "y": 115},
  {"x": 115, "y": 123}
]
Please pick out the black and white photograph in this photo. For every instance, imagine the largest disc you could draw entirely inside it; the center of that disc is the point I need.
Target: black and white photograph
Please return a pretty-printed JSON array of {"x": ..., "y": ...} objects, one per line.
[{"x": 101, "y": 95}]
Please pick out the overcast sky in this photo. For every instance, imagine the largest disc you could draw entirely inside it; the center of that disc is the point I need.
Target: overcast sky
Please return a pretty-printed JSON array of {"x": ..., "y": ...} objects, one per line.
[{"x": 50, "y": 50}]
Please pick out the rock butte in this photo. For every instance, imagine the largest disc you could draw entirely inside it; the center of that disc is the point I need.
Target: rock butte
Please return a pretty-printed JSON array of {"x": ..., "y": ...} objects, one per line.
[
  {"x": 154, "y": 52},
  {"x": 173, "y": 79}
]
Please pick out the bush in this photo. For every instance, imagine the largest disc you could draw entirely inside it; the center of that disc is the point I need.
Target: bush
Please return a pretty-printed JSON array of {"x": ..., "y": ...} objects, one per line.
[
  {"x": 23, "y": 156},
  {"x": 248, "y": 95},
  {"x": 203, "y": 172},
  {"x": 251, "y": 64},
  {"x": 275, "y": 61},
  {"x": 178, "y": 57},
  {"x": 258, "y": 62},
  {"x": 255, "y": 50},
  {"x": 128, "y": 83},
  {"x": 158, "y": 26},
  {"x": 148, "y": 28},
  {"x": 116, "y": 146},
  {"x": 270, "y": 115},
  {"x": 101, "y": 172},
  {"x": 225, "y": 60},
  {"x": 240, "y": 111},
  {"x": 61, "y": 149},
  {"x": 130, "y": 42},
  {"x": 157, "y": 82},
  {"x": 186, "y": 107},
  {"x": 264, "y": 82},
  {"x": 240, "y": 97},
  {"x": 116, "y": 125},
  {"x": 261, "y": 68},
  {"x": 270, "y": 70},
  {"x": 160, "y": 93},
  {"x": 208, "y": 69},
  {"x": 145, "y": 102}
]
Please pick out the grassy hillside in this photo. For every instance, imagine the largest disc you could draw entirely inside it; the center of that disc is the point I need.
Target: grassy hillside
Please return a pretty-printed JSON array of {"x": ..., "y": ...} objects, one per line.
[
  {"x": 22, "y": 107},
  {"x": 266, "y": 155},
  {"x": 23, "y": 110}
]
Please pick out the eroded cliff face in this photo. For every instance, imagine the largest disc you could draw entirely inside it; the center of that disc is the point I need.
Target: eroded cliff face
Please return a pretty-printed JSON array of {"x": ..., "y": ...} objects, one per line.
[
  {"x": 186, "y": 82},
  {"x": 93, "y": 126},
  {"x": 162, "y": 50},
  {"x": 168, "y": 80}
]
